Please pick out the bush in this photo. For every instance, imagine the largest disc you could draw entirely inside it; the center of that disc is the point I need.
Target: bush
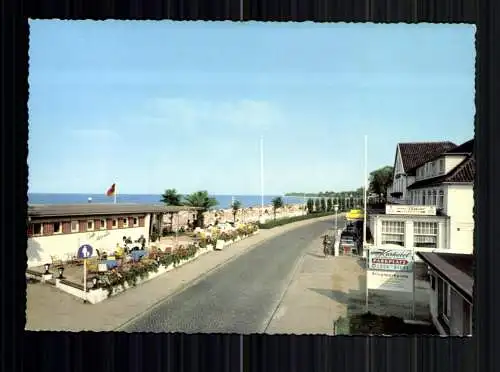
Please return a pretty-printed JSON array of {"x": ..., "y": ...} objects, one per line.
[
  {"x": 284, "y": 221},
  {"x": 369, "y": 323},
  {"x": 154, "y": 236}
]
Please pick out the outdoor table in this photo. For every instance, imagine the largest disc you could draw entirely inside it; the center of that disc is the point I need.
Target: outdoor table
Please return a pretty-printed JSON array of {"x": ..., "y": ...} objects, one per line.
[
  {"x": 137, "y": 255},
  {"x": 111, "y": 264}
]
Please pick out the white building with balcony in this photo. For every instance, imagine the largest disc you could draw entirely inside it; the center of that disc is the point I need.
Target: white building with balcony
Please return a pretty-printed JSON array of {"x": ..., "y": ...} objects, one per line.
[{"x": 434, "y": 190}]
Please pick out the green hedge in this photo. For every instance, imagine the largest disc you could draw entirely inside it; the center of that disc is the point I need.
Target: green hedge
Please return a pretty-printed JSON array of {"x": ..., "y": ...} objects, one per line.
[
  {"x": 372, "y": 324},
  {"x": 284, "y": 221}
]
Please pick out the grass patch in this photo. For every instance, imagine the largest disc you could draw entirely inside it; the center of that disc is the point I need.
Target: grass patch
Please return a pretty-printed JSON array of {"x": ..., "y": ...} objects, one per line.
[
  {"x": 372, "y": 324},
  {"x": 284, "y": 221}
]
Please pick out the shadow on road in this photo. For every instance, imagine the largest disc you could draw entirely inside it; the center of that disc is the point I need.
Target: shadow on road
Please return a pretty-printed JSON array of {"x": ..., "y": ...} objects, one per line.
[{"x": 337, "y": 296}]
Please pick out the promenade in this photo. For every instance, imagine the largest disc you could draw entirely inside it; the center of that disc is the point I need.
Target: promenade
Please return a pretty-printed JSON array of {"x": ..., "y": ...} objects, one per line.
[{"x": 51, "y": 309}]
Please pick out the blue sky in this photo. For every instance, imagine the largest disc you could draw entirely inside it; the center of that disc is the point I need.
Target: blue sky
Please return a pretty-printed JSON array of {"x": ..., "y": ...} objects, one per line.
[{"x": 156, "y": 105}]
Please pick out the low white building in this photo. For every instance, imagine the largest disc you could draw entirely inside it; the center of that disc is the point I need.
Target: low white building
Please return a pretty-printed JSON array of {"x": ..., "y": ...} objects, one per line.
[
  {"x": 434, "y": 212},
  {"x": 58, "y": 230},
  {"x": 450, "y": 293}
]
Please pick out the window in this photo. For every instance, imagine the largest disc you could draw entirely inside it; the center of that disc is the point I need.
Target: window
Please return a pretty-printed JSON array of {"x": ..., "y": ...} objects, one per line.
[
  {"x": 441, "y": 199},
  {"x": 125, "y": 222},
  {"x": 467, "y": 315},
  {"x": 434, "y": 197},
  {"x": 423, "y": 198},
  {"x": 443, "y": 299},
  {"x": 90, "y": 225},
  {"x": 446, "y": 300},
  {"x": 57, "y": 227},
  {"x": 431, "y": 169},
  {"x": 441, "y": 166},
  {"x": 75, "y": 226},
  {"x": 429, "y": 197},
  {"x": 136, "y": 222},
  {"x": 103, "y": 224},
  {"x": 393, "y": 232},
  {"x": 433, "y": 282},
  {"x": 114, "y": 223},
  {"x": 425, "y": 234},
  {"x": 37, "y": 229}
]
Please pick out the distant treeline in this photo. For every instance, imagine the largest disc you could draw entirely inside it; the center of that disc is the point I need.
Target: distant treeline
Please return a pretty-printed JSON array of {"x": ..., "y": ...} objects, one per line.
[{"x": 358, "y": 193}]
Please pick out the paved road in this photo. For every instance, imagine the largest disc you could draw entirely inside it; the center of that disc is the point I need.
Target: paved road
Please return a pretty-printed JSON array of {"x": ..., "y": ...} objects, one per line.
[{"x": 240, "y": 297}]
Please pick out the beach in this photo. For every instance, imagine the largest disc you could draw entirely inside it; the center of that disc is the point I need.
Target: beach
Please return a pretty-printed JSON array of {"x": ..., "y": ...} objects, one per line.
[{"x": 244, "y": 215}]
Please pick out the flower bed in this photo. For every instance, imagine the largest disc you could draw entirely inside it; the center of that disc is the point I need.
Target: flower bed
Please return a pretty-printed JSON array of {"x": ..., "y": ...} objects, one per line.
[{"x": 132, "y": 273}]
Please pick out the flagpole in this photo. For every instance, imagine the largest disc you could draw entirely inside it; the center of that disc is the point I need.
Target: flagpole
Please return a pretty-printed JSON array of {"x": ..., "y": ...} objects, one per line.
[
  {"x": 365, "y": 176},
  {"x": 262, "y": 175},
  {"x": 115, "y": 194}
]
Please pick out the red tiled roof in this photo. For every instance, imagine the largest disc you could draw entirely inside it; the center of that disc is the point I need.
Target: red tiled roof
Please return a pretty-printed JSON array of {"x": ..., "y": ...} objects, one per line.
[
  {"x": 415, "y": 154},
  {"x": 464, "y": 148},
  {"x": 462, "y": 173}
]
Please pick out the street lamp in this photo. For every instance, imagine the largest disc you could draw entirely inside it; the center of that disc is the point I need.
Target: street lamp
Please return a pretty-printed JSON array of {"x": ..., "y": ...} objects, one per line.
[
  {"x": 61, "y": 271},
  {"x": 46, "y": 266}
]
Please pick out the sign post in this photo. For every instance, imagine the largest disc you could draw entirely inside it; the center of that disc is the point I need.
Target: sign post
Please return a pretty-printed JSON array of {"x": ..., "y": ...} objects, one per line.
[
  {"x": 84, "y": 252},
  {"x": 391, "y": 268}
]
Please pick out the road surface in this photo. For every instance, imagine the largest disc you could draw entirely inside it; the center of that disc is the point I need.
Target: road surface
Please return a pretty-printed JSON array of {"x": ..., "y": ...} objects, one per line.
[{"x": 242, "y": 296}]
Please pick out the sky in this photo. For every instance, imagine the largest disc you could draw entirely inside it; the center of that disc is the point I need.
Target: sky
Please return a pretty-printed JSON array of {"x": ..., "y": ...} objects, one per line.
[{"x": 157, "y": 105}]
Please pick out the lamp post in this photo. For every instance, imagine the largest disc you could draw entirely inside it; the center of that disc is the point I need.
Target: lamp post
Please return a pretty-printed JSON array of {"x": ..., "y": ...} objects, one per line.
[{"x": 46, "y": 266}]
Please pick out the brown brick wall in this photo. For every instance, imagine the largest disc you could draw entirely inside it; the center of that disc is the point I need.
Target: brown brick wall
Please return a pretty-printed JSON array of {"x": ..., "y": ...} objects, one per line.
[
  {"x": 141, "y": 221},
  {"x": 131, "y": 222},
  {"x": 120, "y": 222},
  {"x": 48, "y": 228},
  {"x": 83, "y": 225},
  {"x": 66, "y": 227}
]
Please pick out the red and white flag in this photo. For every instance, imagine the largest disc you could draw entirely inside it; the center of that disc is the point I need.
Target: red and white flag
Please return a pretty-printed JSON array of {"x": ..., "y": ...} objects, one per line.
[{"x": 112, "y": 191}]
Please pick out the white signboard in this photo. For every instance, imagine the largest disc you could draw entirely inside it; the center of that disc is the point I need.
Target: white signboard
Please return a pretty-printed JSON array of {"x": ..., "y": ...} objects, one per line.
[
  {"x": 392, "y": 259},
  {"x": 396, "y": 281},
  {"x": 419, "y": 210}
]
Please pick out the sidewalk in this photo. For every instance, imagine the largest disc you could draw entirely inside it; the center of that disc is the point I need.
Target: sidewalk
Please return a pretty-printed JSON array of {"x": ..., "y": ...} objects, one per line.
[
  {"x": 324, "y": 289},
  {"x": 318, "y": 293},
  {"x": 47, "y": 308}
]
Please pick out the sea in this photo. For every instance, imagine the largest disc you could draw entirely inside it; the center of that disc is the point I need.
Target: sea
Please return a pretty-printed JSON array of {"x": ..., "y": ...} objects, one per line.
[{"x": 223, "y": 200}]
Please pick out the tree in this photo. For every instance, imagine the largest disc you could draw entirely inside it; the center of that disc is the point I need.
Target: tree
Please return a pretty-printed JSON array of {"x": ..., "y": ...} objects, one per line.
[
  {"x": 310, "y": 205},
  {"x": 380, "y": 180},
  {"x": 171, "y": 198},
  {"x": 235, "y": 206},
  {"x": 317, "y": 205},
  {"x": 322, "y": 204},
  {"x": 277, "y": 203},
  {"x": 200, "y": 199},
  {"x": 329, "y": 205}
]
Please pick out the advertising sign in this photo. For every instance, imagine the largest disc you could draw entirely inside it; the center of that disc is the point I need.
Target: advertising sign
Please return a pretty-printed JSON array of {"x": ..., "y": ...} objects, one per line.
[
  {"x": 420, "y": 210},
  {"x": 396, "y": 281},
  {"x": 390, "y": 259}
]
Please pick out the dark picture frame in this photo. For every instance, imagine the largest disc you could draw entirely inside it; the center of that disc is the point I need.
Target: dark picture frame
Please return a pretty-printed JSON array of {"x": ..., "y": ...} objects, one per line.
[{"x": 49, "y": 351}]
